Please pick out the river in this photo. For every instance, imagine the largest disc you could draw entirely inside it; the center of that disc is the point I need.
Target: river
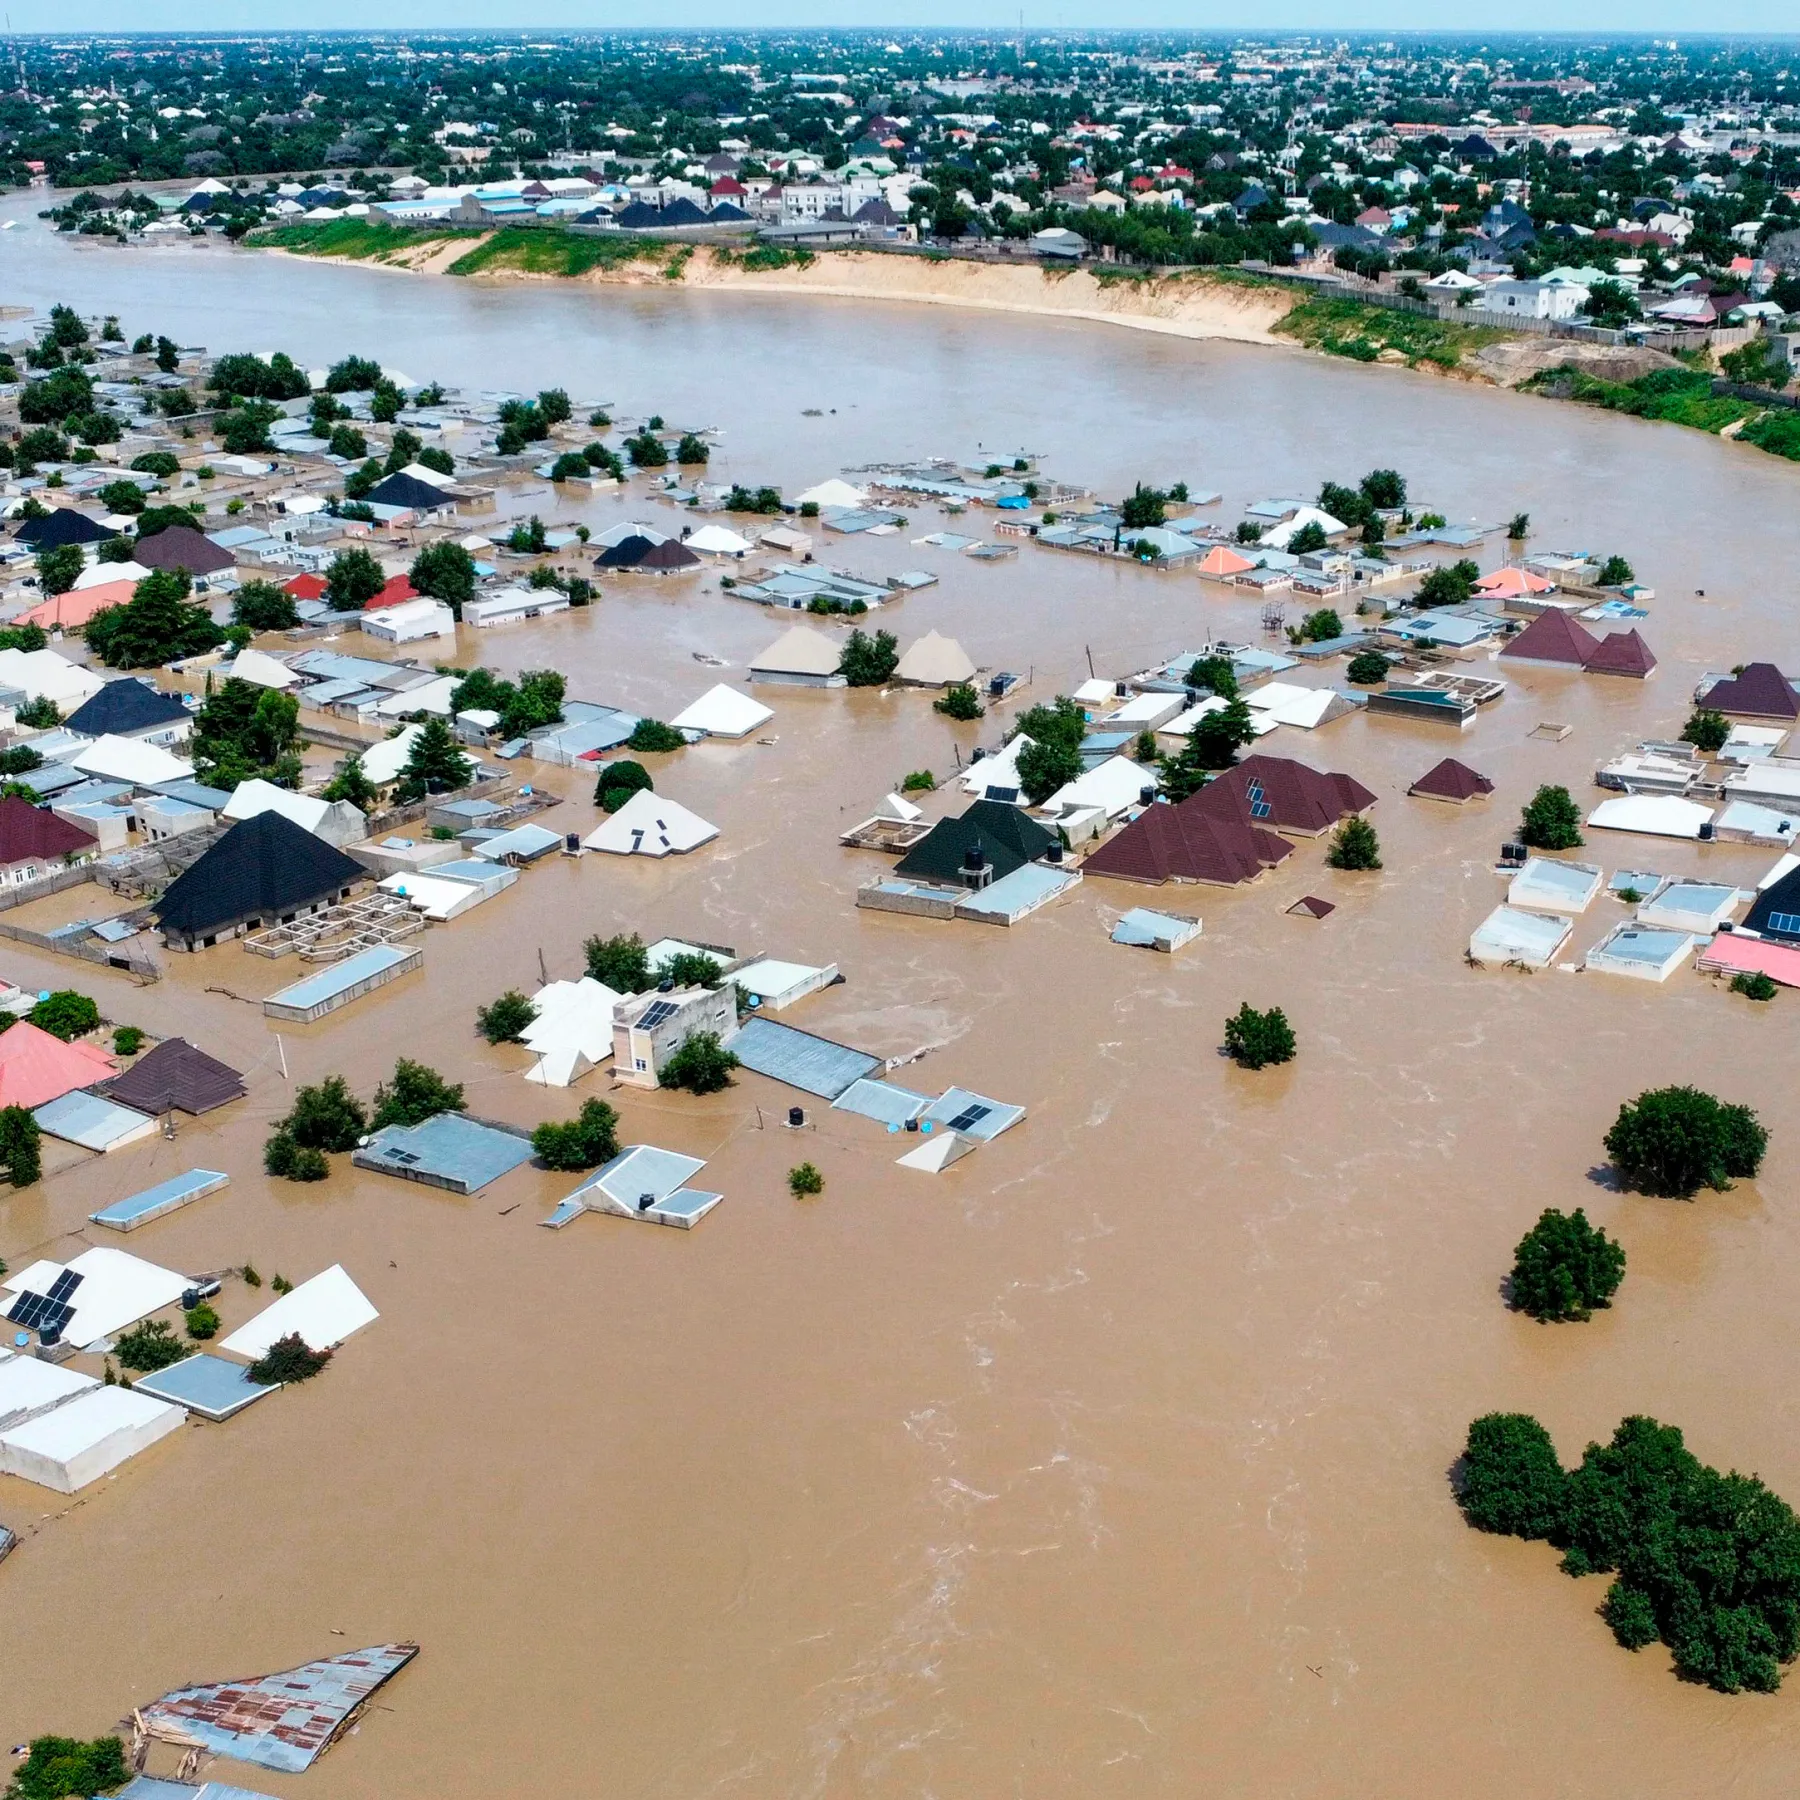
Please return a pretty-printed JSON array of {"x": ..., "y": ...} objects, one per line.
[{"x": 1113, "y": 1461}]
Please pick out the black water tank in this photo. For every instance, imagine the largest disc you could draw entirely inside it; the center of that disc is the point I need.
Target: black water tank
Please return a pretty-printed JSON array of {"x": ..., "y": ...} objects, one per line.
[
  {"x": 796, "y": 1116},
  {"x": 975, "y": 859}
]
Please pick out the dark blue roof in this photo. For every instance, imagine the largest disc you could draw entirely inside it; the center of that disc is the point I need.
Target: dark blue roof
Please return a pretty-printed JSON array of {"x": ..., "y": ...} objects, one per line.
[{"x": 125, "y": 708}]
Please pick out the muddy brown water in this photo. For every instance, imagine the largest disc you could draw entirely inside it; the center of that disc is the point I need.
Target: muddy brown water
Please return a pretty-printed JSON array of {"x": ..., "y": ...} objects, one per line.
[{"x": 1112, "y": 1461}]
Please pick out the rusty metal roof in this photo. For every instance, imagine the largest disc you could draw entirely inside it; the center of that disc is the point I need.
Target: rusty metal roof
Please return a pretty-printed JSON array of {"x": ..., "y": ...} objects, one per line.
[{"x": 282, "y": 1721}]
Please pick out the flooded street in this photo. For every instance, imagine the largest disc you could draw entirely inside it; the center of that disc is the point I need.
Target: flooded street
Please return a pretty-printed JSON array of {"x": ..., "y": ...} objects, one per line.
[{"x": 1114, "y": 1460}]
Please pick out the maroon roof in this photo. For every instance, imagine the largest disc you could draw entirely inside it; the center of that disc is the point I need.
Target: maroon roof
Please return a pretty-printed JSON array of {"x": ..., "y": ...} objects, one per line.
[
  {"x": 182, "y": 547},
  {"x": 176, "y": 1074},
  {"x": 26, "y": 831},
  {"x": 1298, "y": 798},
  {"x": 1451, "y": 780},
  {"x": 1554, "y": 637},
  {"x": 1760, "y": 691},
  {"x": 667, "y": 555},
  {"x": 1178, "y": 843},
  {"x": 1310, "y": 906},
  {"x": 1622, "y": 653}
]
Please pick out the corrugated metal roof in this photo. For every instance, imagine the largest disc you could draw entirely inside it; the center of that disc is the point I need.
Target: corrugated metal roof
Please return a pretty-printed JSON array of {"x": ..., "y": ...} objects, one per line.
[{"x": 814, "y": 1065}]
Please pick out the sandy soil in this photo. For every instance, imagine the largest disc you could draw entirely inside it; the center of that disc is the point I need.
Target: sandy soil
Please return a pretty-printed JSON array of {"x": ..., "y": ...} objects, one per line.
[{"x": 1515, "y": 360}]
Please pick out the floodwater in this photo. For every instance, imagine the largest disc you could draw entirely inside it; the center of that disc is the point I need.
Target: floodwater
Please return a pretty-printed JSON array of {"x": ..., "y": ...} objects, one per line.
[{"x": 1112, "y": 1462}]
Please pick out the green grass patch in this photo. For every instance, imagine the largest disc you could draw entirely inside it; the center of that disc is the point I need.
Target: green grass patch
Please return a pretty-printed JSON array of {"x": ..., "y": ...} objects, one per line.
[
  {"x": 355, "y": 240},
  {"x": 764, "y": 258},
  {"x": 1777, "y": 431},
  {"x": 1677, "y": 396},
  {"x": 1349, "y": 328},
  {"x": 542, "y": 250}
]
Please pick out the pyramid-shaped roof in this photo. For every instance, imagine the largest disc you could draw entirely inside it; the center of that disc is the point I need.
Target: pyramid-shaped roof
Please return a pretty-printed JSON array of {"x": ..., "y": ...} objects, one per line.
[
  {"x": 801, "y": 651},
  {"x": 64, "y": 526},
  {"x": 27, "y": 831},
  {"x": 1221, "y": 560},
  {"x": 261, "y": 868},
  {"x": 1758, "y": 691},
  {"x": 1554, "y": 637},
  {"x": 175, "y": 1074},
  {"x": 1622, "y": 653},
  {"x": 1451, "y": 780},
  {"x": 401, "y": 489},
  {"x": 1182, "y": 843},
  {"x": 124, "y": 707},
  {"x": 36, "y": 1067},
  {"x": 183, "y": 547},
  {"x": 1276, "y": 793},
  {"x": 1010, "y": 837},
  {"x": 651, "y": 824},
  {"x": 935, "y": 661}
]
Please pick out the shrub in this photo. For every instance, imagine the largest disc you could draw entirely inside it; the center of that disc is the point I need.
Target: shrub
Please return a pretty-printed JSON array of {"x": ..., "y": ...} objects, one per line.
[
  {"x": 128, "y": 1040},
  {"x": 58, "y": 1767},
  {"x": 920, "y": 781},
  {"x": 691, "y": 450},
  {"x": 1552, "y": 820},
  {"x": 585, "y": 1142},
  {"x": 869, "y": 661},
  {"x": 1753, "y": 987},
  {"x": 1355, "y": 846},
  {"x": 202, "y": 1322},
  {"x": 653, "y": 737},
  {"x": 1673, "y": 1141},
  {"x": 1706, "y": 730},
  {"x": 288, "y": 1359},
  {"x": 1255, "y": 1039},
  {"x": 503, "y": 1021},
  {"x": 289, "y": 1161},
  {"x": 21, "y": 1152},
  {"x": 41, "y": 714},
  {"x": 1564, "y": 1267},
  {"x": 1322, "y": 626},
  {"x": 1616, "y": 572},
  {"x": 619, "y": 781},
  {"x": 415, "y": 1094},
  {"x": 65, "y": 1014},
  {"x": 1214, "y": 673},
  {"x": 353, "y": 579},
  {"x": 619, "y": 963},
  {"x": 960, "y": 702},
  {"x": 1367, "y": 667},
  {"x": 572, "y": 465},
  {"x": 804, "y": 1181},
  {"x": 149, "y": 1346},
  {"x": 702, "y": 1065}
]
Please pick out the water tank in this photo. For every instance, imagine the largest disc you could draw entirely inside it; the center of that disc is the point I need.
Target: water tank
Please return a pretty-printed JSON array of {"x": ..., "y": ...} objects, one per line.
[
  {"x": 1146, "y": 795},
  {"x": 796, "y": 1116},
  {"x": 1054, "y": 854},
  {"x": 1706, "y": 832}
]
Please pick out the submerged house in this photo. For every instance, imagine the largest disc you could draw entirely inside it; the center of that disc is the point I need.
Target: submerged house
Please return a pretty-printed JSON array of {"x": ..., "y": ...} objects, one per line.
[
  {"x": 35, "y": 843},
  {"x": 1453, "y": 781},
  {"x": 1758, "y": 690},
  {"x": 264, "y": 871},
  {"x": 649, "y": 1028},
  {"x": 990, "y": 839},
  {"x": 130, "y": 708},
  {"x": 1184, "y": 843},
  {"x": 1277, "y": 793},
  {"x": 801, "y": 657},
  {"x": 1557, "y": 641}
]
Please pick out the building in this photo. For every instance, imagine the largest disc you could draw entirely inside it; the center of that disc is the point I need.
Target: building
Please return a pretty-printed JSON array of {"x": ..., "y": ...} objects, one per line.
[
  {"x": 264, "y": 871},
  {"x": 133, "y": 709},
  {"x": 1776, "y": 913},
  {"x": 1758, "y": 690},
  {"x": 801, "y": 657},
  {"x": 1183, "y": 843},
  {"x": 35, "y": 843},
  {"x": 988, "y": 842},
  {"x": 1534, "y": 299},
  {"x": 649, "y": 1028}
]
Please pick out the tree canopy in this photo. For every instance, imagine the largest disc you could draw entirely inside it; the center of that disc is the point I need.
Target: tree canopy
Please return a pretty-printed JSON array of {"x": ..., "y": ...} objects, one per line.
[
  {"x": 445, "y": 571},
  {"x": 157, "y": 625},
  {"x": 869, "y": 661},
  {"x": 1255, "y": 1040},
  {"x": 620, "y": 963},
  {"x": 1673, "y": 1141},
  {"x": 244, "y": 732},
  {"x": 1551, "y": 820},
  {"x": 1564, "y": 1267}
]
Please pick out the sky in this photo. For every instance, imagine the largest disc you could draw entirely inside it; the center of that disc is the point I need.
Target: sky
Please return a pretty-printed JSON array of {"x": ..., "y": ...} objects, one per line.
[{"x": 1660, "y": 17}]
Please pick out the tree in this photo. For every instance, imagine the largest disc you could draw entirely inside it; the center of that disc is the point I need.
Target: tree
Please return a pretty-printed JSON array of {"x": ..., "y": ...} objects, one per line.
[
  {"x": 348, "y": 442},
  {"x": 41, "y": 714},
  {"x": 805, "y": 1181},
  {"x": 960, "y": 701},
  {"x": 287, "y": 1360},
  {"x": 619, "y": 963},
  {"x": 1215, "y": 674},
  {"x": 1518, "y": 528},
  {"x": 1345, "y": 504},
  {"x": 702, "y": 1065},
  {"x": 202, "y": 1322},
  {"x": 65, "y": 1014},
  {"x": 1254, "y": 1040},
  {"x": 445, "y": 571},
  {"x": 355, "y": 374},
  {"x": 1046, "y": 766},
  {"x": 1616, "y": 572},
  {"x": 504, "y": 1021},
  {"x": 150, "y": 1346},
  {"x": 1706, "y": 730},
  {"x": 869, "y": 661},
  {"x": 122, "y": 497},
  {"x": 691, "y": 450},
  {"x": 156, "y": 625},
  {"x": 1143, "y": 507},
  {"x": 619, "y": 781},
  {"x": 653, "y": 737},
  {"x": 553, "y": 406},
  {"x": 529, "y": 538},
  {"x": 59, "y": 567},
  {"x": 585, "y": 1142},
  {"x": 262, "y": 606},
  {"x": 1354, "y": 846},
  {"x": 1551, "y": 821},
  {"x": 289, "y": 1161},
  {"x": 1754, "y": 987},
  {"x": 1367, "y": 668},
  {"x": 326, "y": 1116},
  {"x": 1612, "y": 304},
  {"x": 1564, "y": 1267},
  {"x": 1671, "y": 1142},
  {"x": 1453, "y": 584},
  {"x": 415, "y": 1094},
  {"x": 57, "y": 1767},
  {"x": 434, "y": 764},
  {"x": 20, "y": 1146},
  {"x": 1213, "y": 744},
  {"x": 647, "y": 451},
  {"x": 1322, "y": 626},
  {"x": 572, "y": 465},
  {"x": 351, "y": 783},
  {"x": 1510, "y": 1480},
  {"x": 1310, "y": 537},
  {"x": 1385, "y": 489},
  {"x": 690, "y": 968},
  {"x": 353, "y": 580},
  {"x": 245, "y": 732}
]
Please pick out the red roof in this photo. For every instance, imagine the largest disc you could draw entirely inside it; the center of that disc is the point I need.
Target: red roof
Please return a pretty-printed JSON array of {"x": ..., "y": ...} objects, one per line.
[
  {"x": 26, "y": 831},
  {"x": 1278, "y": 794},
  {"x": 305, "y": 587},
  {"x": 1622, "y": 653},
  {"x": 727, "y": 185},
  {"x": 1554, "y": 637},
  {"x": 1451, "y": 780},
  {"x": 397, "y": 592},
  {"x": 36, "y": 1067},
  {"x": 1179, "y": 843},
  {"x": 1758, "y": 691}
]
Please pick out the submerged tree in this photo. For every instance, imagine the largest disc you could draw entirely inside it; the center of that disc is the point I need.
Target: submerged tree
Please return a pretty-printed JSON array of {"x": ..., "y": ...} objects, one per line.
[
  {"x": 414, "y": 1094},
  {"x": 620, "y": 963},
  {"x": 1355, "y": 846},
  {"x": 1552, "y": 820},
  {"x": 1671, "y": 1142},
  {"x": 506, "y": 1019},
  {"x": 869, "y": 661},
  {"x": 1564, "y": 1267},
  {"x": 585, "y": 1142},
  {"x": 1255, "y": 1040},
  {"x": 702, "y": 1065}
]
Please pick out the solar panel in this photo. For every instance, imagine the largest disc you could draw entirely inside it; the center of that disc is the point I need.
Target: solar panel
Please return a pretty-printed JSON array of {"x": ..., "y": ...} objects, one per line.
[
  {"x": 970, "y": 1116},
  {"x": 64, "y": 1285},
  {"x": 656, "y": 1013},
  {"x": 39, "y": 1313}
]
